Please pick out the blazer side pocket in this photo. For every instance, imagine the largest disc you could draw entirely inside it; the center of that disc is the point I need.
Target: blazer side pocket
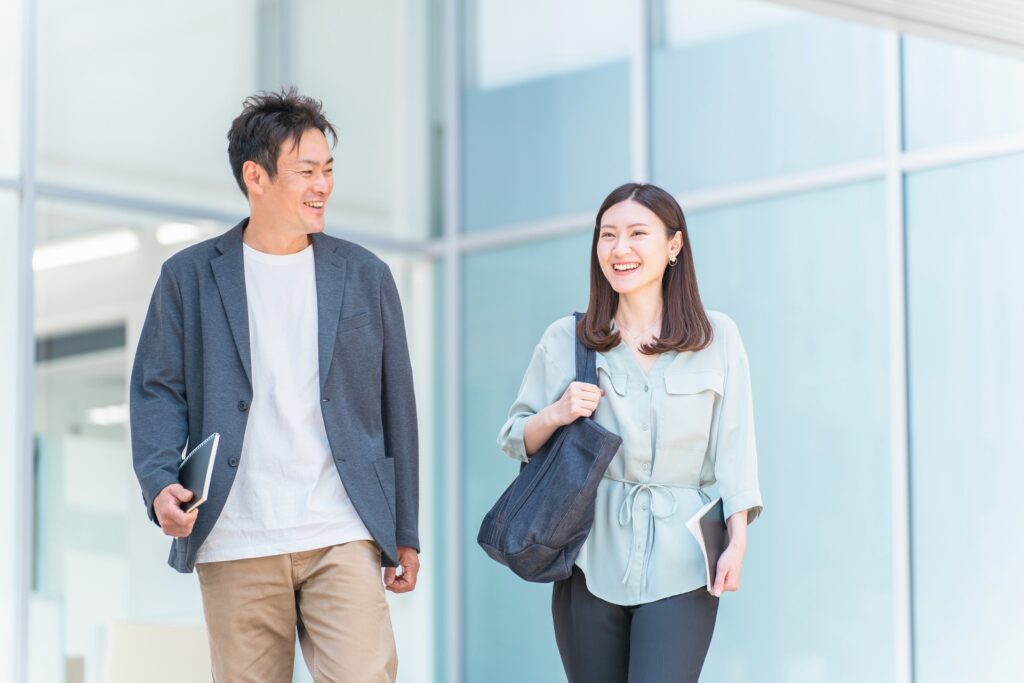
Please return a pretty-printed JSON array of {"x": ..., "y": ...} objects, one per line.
[{"x": 354, "y": 322}]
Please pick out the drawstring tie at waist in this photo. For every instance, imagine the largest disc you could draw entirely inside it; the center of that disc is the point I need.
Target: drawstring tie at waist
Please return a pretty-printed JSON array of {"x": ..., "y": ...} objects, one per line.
[{"x": 627, "y": 512}]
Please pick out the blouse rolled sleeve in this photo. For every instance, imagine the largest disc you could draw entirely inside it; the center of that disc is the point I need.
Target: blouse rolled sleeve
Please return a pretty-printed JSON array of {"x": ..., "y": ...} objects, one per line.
[
  {"x": 735, "y": 450},
  {"x": 544, "y": 383}
]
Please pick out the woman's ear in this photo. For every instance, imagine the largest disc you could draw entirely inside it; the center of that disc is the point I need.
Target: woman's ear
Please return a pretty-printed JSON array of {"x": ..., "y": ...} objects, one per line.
[{"x": 675, "y": 245}]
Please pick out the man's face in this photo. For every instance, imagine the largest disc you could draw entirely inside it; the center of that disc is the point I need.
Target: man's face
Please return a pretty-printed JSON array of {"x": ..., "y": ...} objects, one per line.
[{"x": 294, "y": 201}]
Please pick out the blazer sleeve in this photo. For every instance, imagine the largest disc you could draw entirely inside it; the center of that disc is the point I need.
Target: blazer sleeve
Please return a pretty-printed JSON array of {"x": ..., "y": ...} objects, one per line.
[
  {"x": 398, "y": 410},
  {"x": 735, "y": 448},
  {"x": 157, "y": 402}
]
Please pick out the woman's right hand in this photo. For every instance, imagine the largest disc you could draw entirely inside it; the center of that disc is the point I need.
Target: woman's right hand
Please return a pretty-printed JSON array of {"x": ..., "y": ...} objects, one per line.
[{"x": 579, "y": 400}]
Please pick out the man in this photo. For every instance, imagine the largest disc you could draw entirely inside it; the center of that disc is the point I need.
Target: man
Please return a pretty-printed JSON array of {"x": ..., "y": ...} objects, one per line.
[{"x": 291, "y": 345}]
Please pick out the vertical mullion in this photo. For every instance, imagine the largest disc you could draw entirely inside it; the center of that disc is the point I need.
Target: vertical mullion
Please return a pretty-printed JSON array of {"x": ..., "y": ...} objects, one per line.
[
  {"x": 452, "y": 221},
  {"x": 286, "y": 39},
  {"x": 23, "y": 418},
  {"x": 899, "y": 435},
  {"x": 639, "y": 93}
]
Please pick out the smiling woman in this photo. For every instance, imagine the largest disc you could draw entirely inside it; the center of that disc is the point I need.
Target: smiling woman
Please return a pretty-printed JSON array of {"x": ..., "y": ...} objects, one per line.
[{"x": 673, "y": 382}]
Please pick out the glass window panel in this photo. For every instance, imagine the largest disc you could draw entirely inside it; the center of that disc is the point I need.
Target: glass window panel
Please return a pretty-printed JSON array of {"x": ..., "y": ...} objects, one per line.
[
  {"x": 10, "y": 86},
  {"x": 534, "y": 39},
  {"x": 742, "y": 90},
  {"x": 511, "y": 296},
  {"x": 965, "y": 286},
  {"x": 141, "y": 105},
  {"x": 369, "y": 66},
  {"x": 11, "y": 518},
  {"x": 546, "y": 128},
  {"x": 98, "y": 559},
  {"x": 804, "y": 277},
  {"x": 954, "y": 94}
]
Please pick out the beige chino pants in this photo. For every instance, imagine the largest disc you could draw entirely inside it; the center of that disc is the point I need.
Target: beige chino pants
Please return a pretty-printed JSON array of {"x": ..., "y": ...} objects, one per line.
[{"x": 332, "y": 596}]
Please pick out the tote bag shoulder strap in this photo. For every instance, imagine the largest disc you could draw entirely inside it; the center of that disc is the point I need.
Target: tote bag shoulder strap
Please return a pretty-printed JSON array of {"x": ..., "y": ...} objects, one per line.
[{"x": 586, "y": 359}]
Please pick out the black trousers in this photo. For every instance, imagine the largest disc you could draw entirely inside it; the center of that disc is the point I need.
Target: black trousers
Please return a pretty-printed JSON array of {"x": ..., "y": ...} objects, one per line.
[{"x": 660, "y": 642}]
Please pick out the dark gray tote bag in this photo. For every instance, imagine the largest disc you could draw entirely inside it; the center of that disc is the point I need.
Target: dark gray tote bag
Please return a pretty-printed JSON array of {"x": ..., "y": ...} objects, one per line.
[{"x": 540, "y": 522}]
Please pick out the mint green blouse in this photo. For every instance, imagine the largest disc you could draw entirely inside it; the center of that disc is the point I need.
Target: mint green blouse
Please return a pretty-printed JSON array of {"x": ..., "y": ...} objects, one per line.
[{"x": 687, "y": 429}]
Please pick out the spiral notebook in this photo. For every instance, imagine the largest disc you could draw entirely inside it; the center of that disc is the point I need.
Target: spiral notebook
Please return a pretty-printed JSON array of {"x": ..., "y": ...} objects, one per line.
[
  {"x": 196, "y": 470},
  {"x": 708, "y": 528}
]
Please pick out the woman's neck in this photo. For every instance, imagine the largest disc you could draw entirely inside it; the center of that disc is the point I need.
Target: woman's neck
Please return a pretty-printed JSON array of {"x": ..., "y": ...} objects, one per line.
[{"x": 640, "y": 311}]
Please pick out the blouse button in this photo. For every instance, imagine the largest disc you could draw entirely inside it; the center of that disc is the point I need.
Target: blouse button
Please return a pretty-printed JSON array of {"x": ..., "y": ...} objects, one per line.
[
  {"x": 646, "y": 387},
  {"x": 645, "y": 467},
  {"x": 643, "y": 427}
]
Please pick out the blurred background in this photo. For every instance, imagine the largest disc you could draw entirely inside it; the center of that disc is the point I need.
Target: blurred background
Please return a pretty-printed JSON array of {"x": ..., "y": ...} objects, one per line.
[{"x": 853, "y": 177}]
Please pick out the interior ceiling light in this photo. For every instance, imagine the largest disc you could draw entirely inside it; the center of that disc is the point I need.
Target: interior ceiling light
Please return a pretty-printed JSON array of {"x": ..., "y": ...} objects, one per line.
[
  {"x": 107, "y": 416},
  {"x": 176, "y": 233},
  {"x": 83, "y": 249}
]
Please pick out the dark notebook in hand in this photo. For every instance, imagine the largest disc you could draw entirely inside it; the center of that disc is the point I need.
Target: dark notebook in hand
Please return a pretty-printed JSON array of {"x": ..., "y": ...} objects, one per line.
[
  {"x": 195, "y": 471},
  {"x": 708, "y": 528}
]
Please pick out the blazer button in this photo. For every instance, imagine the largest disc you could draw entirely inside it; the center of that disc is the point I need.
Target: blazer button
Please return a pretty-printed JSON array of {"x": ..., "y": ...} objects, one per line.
[
  {"x": 233, "y": 462},
  {"x": 325, "y": 400},
  {"x": 243, "y": 406}
]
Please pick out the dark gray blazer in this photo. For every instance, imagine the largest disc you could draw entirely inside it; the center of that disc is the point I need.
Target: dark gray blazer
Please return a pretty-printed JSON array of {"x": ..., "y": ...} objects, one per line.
[{"x": 192, "y": 376}]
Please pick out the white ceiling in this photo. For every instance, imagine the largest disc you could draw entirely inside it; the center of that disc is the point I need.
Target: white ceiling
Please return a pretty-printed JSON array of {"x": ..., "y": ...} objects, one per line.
[{"x": 997, "y": 25}]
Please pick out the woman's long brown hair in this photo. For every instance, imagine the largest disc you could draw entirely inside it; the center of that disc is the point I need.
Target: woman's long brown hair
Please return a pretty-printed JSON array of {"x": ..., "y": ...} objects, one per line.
[{"x": 684, "y": 324}]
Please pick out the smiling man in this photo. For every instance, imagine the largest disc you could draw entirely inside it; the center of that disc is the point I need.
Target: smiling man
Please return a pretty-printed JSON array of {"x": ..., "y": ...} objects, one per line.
[{"x": 291, "y": 345}]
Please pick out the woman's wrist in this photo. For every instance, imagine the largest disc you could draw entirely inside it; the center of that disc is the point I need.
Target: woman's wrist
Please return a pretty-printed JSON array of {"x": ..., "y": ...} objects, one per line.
[{"x": 549, "y": 417}]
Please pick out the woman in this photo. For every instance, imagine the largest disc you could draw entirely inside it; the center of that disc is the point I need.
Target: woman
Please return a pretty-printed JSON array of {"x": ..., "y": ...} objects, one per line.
[{"x": 674, "y": 384}]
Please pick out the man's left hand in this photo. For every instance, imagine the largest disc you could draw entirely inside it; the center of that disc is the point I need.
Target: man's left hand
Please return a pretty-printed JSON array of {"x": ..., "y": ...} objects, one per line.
[{"x": 409, "y": 560}]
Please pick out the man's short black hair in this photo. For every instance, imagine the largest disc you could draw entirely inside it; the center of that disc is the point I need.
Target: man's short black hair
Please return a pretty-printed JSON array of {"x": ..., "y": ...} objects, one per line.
[{"x": 267, "y": 121}]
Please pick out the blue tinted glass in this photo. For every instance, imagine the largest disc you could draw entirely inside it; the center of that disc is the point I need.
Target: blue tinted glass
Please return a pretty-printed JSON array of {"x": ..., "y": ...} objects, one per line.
[
  {"x": 804, "y": 278},
  {"x": 545, "y": 147},
  {"x": 511, "y": 296},
  {"x": 966, "y": 284},
  {"x": 954, "y": 94},
  {"x": 755, "y": 100}
]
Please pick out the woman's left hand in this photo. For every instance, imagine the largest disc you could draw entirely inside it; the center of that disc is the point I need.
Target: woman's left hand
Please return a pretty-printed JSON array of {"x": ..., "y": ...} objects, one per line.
[{"x": 727, "y": 577}]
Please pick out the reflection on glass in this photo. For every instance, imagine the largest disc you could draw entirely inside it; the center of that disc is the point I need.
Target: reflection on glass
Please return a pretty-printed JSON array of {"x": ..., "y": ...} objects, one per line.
[
  {"x": 965, "y": 285},
  {"x": 804, "y": 278},
  {"x": 371, "y": 72},
  {"x": 141, "y": 105},
  {"x": 10, "y": 86},
  {"x": 98, "y": 561},
  {"x": 546, "y": 123},
  {"x": 744, "y": 90},
  {"x": 511, "y": 296},
  {"x": 954, "y": 95},
  {"x": 11, "y": 436}
]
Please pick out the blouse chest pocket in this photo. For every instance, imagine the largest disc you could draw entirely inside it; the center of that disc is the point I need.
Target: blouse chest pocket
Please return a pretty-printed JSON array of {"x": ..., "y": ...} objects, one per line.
[{"x": 690, "y": 403}]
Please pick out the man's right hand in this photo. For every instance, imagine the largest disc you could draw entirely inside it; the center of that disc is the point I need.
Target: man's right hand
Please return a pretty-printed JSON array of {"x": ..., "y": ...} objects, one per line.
[{"x": 167, "y": 506}]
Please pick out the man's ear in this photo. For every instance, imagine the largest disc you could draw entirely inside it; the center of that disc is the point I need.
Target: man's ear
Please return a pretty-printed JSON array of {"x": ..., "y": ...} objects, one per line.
[{"x": 254, "y": 177}]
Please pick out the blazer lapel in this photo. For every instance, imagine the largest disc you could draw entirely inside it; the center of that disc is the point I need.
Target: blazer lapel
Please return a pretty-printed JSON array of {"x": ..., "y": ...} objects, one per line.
[
  {"x": 229, "y": 273},
  {"x": 330, "y": 293}
]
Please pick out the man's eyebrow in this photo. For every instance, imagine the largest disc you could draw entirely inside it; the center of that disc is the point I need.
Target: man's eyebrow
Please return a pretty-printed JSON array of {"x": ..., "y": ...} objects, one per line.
[{"x": 314, "y": 162}]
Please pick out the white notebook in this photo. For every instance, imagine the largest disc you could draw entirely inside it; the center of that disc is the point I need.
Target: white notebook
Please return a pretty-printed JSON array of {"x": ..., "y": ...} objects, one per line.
[{"x": 708, "y": 528}]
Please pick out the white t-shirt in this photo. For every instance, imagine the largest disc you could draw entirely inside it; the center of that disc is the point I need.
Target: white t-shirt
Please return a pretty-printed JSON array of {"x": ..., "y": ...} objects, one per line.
[{"x": 287, "y": 496}]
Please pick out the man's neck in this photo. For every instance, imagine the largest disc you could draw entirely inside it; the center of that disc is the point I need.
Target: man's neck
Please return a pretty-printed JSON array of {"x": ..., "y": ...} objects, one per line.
[{"x": 265, "y": 237}]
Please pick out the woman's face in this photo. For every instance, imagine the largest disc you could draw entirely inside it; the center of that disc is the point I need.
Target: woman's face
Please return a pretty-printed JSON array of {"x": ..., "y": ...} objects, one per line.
[{"x": 633, "y": 247}]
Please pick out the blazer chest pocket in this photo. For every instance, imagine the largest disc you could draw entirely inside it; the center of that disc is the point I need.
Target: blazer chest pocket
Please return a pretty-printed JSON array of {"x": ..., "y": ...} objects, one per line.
[
  {"x": 690, "y": 403},
  {"x": 354, "y": 322}
]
